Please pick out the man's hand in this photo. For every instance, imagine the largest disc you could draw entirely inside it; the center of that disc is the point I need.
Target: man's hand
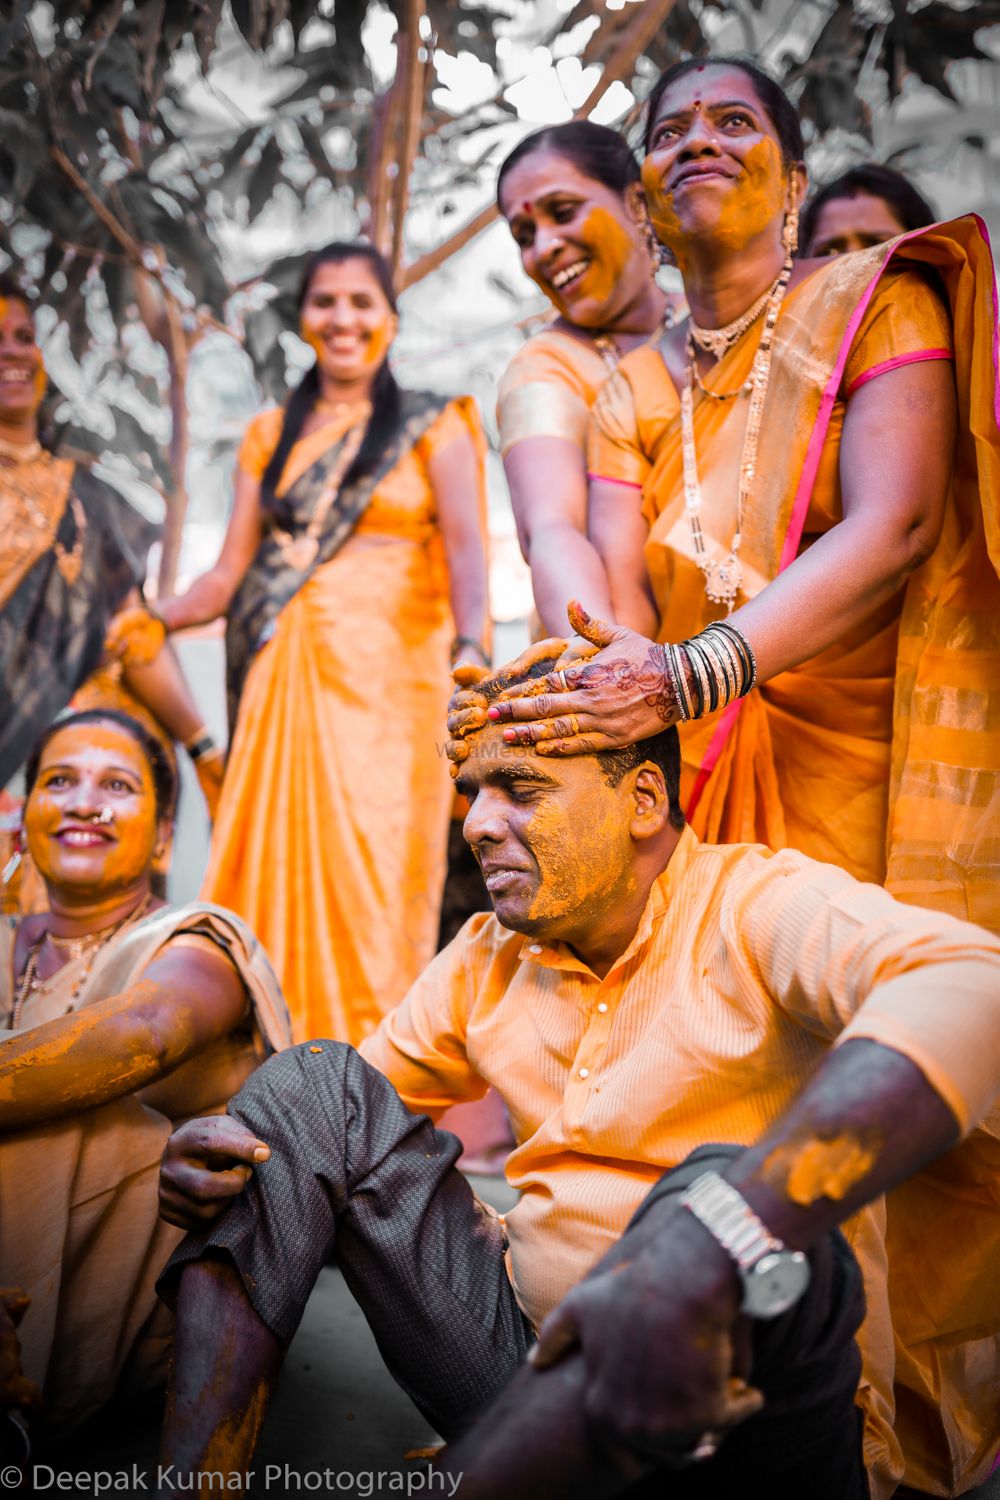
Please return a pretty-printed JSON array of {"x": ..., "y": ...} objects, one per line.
[
  {"x": 16, "y": 1391},
  {"x": 206, "y": 1163},
  {"x": 622, "y": 694},
  {"x": 665, "y": 1349}
]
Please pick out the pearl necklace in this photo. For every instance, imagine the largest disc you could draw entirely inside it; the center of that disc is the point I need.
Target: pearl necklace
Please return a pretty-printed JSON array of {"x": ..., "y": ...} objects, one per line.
[{"x": 724, "y": 577}]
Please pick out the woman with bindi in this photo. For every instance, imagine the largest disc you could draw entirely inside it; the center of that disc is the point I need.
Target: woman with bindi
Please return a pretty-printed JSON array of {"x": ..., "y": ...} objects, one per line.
[
  {"x": 572, "y": 198},
  {"x": 352, "y": 574},
  {"x": 120, "y": 1017},
  {"x": 793, "y": 496},
  {"x": 72, "y": 553}
]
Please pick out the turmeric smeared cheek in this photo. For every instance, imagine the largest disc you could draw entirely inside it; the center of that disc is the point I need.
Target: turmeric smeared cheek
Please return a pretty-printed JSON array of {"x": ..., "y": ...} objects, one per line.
[
  {"x": 571, "y": 859},
  {"x": 755, "y": 199},
  {"x": 371, "y": 352},
  {"x": 125, "y": 857},
  {"x": 812, "y": 1169},
  {"x": 610, "y": 247}
]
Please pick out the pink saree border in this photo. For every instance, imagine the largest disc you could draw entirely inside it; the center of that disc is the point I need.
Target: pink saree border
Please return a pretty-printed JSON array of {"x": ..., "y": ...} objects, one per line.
[
  {"x": 807, "y": 479},
  {"x": 915, "y": 357}
]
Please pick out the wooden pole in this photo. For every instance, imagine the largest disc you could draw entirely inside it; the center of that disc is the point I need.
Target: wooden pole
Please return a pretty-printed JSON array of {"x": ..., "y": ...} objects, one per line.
[
  {"x": 411, "y": 68},
  {"x": 650, "y": 16}
]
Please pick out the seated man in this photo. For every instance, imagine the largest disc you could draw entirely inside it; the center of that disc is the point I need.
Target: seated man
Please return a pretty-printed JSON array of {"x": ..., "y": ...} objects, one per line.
[{"x": 635, "y": 998}]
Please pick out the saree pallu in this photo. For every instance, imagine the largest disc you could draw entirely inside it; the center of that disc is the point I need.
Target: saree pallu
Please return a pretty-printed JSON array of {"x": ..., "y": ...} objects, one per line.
[
  {"x": 332, "y": 830},
  {"x": 79, "y": 1226},
  {"x": 881, "y": 755},
  {"x": 53, "y": 624}
]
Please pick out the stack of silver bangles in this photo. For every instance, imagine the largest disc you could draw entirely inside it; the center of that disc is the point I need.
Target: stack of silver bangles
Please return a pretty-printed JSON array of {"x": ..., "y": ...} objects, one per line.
[{"x": 722, "y": 665}]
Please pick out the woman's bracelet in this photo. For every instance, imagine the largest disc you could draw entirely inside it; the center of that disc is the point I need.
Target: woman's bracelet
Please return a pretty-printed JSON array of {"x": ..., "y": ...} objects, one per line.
[
  {"x": 202, "y": 745},
  {"x": 722, "y": 668},
  {"x": 462, "y": 642}
]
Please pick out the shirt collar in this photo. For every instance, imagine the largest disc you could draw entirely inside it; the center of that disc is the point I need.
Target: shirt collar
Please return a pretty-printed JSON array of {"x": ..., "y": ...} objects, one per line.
[{"x": 662, "y": 892}]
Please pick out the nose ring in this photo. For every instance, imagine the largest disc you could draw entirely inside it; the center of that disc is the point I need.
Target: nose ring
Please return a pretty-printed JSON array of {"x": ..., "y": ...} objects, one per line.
[{"x": 104, "y": 816}]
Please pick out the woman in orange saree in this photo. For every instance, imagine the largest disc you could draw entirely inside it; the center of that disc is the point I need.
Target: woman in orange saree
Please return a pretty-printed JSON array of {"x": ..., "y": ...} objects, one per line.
[
  {"x": 572, "y": 199},
  {"x": 815, "y": 462},
  {"x": 353, "y": 569}
]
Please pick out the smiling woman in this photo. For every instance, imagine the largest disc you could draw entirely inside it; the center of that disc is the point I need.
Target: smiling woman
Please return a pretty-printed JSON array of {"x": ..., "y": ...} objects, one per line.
[
  {"x": 354, "y": 565},
  {"x": 121, "y": 1017},
  {"x": 572, "y": 199}
]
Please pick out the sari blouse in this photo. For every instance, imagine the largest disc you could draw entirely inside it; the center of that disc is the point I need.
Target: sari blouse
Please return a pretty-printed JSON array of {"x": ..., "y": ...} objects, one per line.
[{"x": 548, "y": 389}]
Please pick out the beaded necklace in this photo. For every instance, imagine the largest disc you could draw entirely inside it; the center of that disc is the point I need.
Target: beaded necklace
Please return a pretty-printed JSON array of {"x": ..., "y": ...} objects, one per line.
[
  {"x": 89, "y": 946},
  {"x": 724, "y": 576}
]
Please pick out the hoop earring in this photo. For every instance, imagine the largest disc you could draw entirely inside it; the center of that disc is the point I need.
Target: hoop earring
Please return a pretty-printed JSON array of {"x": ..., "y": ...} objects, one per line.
[{"x": 790, "y": 231}]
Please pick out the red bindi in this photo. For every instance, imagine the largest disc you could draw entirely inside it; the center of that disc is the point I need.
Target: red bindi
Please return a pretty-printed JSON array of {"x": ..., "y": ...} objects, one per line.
[{"x": 526, "y": 206}]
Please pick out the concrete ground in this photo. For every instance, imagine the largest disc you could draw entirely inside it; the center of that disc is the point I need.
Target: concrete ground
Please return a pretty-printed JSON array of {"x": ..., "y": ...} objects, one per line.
[{"x": 338, "y": 1423}]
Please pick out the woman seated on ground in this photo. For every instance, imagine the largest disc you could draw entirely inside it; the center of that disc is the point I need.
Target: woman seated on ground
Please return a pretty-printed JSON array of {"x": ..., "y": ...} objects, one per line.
[{"x": 123, "y": 1016}]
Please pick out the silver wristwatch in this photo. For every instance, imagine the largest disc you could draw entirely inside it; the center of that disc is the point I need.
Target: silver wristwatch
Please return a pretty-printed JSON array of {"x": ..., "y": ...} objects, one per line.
[{"x": 773, "y": 1277}]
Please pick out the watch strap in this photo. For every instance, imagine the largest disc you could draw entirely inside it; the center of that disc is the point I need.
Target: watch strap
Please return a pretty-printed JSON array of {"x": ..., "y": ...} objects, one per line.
[{"x": 730, "y": 1220}]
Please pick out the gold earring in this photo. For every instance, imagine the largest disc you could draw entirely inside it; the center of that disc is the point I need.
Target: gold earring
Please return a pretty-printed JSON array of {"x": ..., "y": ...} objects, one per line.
[{"x": 790, "y": 231}]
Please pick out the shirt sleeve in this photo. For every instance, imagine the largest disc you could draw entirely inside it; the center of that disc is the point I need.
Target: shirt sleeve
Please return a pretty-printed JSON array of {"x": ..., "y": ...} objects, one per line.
[
  {"x": 906, "y": 321},
  {"x": 259, "y": 442},
  {"x": 421, "y": 1045},
  {"x": 847, "y": 960},
  {"x": 540, "y": 396},
  {"x": 613, "y": 447}
]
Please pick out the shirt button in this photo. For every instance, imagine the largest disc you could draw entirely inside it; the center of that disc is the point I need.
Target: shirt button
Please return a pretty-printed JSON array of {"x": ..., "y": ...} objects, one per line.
[
  {"x": 584, "y": 1072},
  {"x": 535, "y": 948},
  {"x": 603, "y": 1007}
]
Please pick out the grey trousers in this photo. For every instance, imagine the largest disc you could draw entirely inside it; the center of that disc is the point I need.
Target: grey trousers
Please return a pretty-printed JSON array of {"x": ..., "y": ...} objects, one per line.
[{"x": 354, "y": 1176}]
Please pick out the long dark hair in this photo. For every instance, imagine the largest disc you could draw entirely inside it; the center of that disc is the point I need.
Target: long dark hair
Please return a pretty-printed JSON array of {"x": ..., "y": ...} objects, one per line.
[
  {"x": 782, "y": 112},
  {"x": 162, "y": 772},
  {"x": 594, "y": 150},
  {"x": 386, "y": 409},
  {"x": 909, "y": 207}
]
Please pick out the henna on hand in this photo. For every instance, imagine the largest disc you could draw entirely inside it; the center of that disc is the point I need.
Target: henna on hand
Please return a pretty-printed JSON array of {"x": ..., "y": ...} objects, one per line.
[{"x": 652, "y": 679}]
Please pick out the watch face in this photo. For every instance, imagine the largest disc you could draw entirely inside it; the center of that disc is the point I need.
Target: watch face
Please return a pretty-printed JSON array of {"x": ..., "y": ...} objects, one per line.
[{"x": 775, "y": 1283}]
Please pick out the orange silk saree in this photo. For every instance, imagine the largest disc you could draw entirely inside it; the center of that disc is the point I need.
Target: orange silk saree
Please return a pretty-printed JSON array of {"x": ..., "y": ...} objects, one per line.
[
  {"x": 882, "y": 754},
  {"x": 331, "y": 833}
]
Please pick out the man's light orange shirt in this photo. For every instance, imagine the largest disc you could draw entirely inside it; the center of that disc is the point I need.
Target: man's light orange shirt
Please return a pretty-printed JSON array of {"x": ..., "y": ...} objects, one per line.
[{"x": 746, "y": 966}]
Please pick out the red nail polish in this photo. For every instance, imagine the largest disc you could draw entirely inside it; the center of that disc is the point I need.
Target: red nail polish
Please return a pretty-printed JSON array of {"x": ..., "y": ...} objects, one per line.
[
  {"x": 493, "y": 713},
  {"x": 510, "y": 735}
]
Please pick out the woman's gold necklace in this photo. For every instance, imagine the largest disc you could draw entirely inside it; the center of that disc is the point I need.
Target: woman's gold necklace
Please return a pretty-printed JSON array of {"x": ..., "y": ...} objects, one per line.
[
  {"x": 20, "y": 488},
  {"x": 723, "y": 577},
  {"x": 89, "y": 945}
]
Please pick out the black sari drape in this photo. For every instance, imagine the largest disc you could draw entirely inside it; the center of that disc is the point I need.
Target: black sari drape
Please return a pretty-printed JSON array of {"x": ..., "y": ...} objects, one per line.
[
  {"x": 52, "y": 632},
  {"x": 270, "y": 582}
]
